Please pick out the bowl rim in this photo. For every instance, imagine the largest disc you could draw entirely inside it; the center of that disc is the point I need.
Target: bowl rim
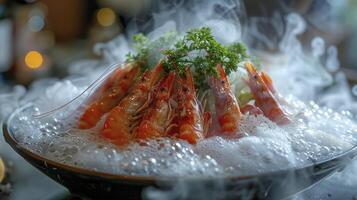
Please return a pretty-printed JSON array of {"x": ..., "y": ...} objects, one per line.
[{"x": 23, "y": 150}]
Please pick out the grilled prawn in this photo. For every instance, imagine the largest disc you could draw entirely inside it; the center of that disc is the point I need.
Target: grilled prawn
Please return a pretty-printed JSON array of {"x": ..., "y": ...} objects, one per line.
[
  {"x": 159, "y": 116},
  {"x": 124, "y": 118},
  {"x": 227, "y": 108},
  {"x": 193, "y": 123},
  {"x": 111, "y": 93},
  {"x": 263, "y": 93}
]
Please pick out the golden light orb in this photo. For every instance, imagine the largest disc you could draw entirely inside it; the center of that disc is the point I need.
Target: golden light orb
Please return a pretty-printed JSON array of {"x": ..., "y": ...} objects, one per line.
[
  {"x": 106, "y": 17},
  {"x": 33, "y": 59}
]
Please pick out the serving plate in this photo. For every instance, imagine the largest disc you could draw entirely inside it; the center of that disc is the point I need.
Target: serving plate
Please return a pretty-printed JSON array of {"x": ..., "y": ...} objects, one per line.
[{"x": 90, "y": 184}]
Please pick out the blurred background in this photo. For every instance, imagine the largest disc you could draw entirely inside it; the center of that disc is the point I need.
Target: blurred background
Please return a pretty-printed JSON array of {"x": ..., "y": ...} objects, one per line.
[{"x": 42, "y": 38}]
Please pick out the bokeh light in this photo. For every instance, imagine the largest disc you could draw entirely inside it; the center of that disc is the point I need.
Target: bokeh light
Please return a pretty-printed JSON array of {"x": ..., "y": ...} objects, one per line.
[
  {"x": 36, "y": 23},
  {"x": 105, "y": 17},
  {"x": 33, "y": 59}
]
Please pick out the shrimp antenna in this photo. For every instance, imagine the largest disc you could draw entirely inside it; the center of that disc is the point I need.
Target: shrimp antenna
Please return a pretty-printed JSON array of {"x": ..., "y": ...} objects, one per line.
[{"x": 110, "y": 68}]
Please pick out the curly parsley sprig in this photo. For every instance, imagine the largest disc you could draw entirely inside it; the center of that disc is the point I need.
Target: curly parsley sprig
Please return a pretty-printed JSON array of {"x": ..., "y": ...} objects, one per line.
[
  {"x": 148, "y": 53},
  {"x": 199, "y": 51}
]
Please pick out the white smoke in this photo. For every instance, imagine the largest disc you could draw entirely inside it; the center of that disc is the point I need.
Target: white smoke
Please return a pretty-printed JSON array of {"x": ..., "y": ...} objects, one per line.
[{"x": 310, "y": 74}]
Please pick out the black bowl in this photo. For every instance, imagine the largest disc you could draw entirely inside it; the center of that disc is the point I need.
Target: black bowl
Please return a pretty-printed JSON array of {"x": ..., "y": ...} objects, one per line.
[{"x": 97, "y": 185}]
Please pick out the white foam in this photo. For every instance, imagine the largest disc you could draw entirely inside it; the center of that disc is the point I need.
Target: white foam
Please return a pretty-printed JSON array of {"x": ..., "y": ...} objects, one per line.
[{"x": 316, "y": 133}]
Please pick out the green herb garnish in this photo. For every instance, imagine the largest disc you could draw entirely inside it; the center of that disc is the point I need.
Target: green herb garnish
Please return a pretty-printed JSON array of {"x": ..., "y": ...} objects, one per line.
[
  {"x": 148, "y": 53},
  {"x": 199, "y": 51}
]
